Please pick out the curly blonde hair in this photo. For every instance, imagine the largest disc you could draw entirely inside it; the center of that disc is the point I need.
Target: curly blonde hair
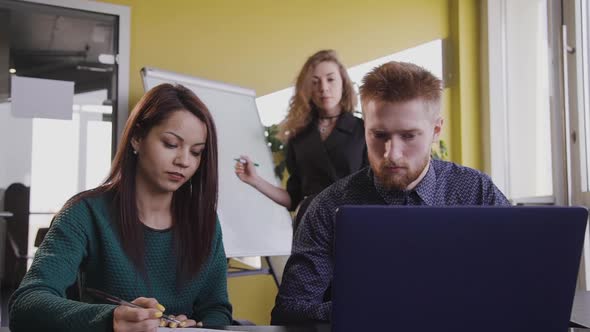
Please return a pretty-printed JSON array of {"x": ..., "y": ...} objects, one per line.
[{"x": 301, "y": 107}]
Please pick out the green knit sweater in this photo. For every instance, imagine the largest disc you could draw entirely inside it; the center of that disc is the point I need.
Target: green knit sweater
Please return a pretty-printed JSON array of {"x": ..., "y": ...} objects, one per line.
[{"x": 84, "y": 237}]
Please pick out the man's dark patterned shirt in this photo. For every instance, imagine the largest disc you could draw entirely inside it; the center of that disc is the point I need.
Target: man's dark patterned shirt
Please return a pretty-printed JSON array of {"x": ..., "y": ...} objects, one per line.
[{"x": 304, "y": 294}]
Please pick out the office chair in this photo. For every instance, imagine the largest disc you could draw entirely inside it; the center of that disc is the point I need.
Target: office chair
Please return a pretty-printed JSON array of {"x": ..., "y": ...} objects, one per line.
[{"x": 16, "y": 201}]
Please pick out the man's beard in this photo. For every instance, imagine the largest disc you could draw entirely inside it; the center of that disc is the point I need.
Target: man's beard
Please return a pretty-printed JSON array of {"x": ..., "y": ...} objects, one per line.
[{"x": 399, "y": 181}]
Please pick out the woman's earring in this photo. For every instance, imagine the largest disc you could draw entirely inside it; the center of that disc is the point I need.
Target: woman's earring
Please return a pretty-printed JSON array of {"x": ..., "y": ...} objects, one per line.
[
  {"x": 134, "y": 152},
  {"x": 191, "y": 186}
]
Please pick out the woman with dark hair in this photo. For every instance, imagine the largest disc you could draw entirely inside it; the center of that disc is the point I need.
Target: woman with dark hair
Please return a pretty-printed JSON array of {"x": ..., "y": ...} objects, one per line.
[
  {"x": 149, "y": 233},
  {"x": 325, "y": 141}
]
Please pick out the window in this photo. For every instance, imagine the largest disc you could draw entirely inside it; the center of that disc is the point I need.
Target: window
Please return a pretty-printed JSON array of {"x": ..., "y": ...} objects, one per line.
[
  {"x": 68, "y": 156},
  {"x": 87, "y": 43},
  {"x": 520, "y": 128},
  {"x": 575, "y": 52},
  {"x": 583, "y": 84},
  {"x": 539, "y": 103}
]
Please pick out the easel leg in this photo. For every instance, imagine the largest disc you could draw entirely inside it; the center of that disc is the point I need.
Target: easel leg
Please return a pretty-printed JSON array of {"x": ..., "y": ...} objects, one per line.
[{"x": 272, "y": 271}]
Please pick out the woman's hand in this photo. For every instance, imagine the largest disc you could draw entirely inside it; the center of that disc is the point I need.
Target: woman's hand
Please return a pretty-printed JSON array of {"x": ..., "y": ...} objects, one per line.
[
  {"x": 246, "y": 170},
  {"x": 184, "y": 322},
  {"x": 147, "y": 318}
]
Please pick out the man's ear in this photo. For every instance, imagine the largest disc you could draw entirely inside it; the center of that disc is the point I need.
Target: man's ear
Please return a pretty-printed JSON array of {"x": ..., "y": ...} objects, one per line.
[{"x": 438, "y": 123}]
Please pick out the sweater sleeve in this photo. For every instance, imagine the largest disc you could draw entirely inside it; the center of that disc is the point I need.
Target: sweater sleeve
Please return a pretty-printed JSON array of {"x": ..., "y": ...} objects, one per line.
[
  {"x": 213, "y": 308},
  {"x": 40, "y": 302}
]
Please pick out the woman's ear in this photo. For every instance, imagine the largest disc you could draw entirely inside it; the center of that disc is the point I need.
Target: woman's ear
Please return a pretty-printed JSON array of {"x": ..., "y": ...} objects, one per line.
[{"x": 135, "y": 143}]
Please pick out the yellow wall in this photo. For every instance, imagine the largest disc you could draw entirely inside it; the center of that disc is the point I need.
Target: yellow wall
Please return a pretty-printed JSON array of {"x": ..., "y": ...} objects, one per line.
[
  {"x": 261, "y": 44},
  {"x": 465, "y": 111}
]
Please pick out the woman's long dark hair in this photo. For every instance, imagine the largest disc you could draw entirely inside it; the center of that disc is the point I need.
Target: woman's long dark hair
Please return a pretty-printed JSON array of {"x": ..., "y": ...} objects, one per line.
[{"x": 193, "y": 209}]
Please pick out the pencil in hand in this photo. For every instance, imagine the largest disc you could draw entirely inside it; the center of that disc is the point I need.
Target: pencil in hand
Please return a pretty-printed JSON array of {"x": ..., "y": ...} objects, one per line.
[{"x": 115, "y": 300}]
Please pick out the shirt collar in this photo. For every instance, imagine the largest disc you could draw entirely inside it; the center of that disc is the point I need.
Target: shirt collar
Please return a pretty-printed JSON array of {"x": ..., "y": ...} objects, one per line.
[
  {"x": 346, "y": 122},
  {"x": 425, "y": 189}
]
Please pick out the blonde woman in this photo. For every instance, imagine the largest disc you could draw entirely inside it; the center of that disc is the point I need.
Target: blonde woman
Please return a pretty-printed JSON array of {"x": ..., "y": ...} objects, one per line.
[{"x": 324, "y": 140}]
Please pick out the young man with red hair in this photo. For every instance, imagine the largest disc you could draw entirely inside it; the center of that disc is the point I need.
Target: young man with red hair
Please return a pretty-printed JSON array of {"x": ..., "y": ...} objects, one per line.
[{"x": 401, "y": 108}]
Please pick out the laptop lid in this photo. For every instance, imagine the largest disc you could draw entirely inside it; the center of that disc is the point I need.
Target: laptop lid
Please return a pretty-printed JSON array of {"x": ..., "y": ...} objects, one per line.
[{"x": 456, "y": 268}]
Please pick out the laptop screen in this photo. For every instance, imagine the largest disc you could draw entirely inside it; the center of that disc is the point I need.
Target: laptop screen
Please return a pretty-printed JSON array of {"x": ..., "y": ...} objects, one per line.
[{"x": 456, "y": 268}]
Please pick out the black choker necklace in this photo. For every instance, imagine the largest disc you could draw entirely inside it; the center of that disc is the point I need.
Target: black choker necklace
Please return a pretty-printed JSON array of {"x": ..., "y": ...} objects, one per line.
[{"x": 328, "y": 117}]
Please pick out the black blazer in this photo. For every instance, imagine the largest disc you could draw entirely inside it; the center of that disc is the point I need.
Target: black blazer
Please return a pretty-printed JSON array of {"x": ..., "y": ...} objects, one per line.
[{"x": 314, "y": 164}]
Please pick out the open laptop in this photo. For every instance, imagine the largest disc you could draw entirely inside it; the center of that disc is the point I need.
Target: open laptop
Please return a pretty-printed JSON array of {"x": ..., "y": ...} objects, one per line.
[{"x": 456, "y": 268}]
